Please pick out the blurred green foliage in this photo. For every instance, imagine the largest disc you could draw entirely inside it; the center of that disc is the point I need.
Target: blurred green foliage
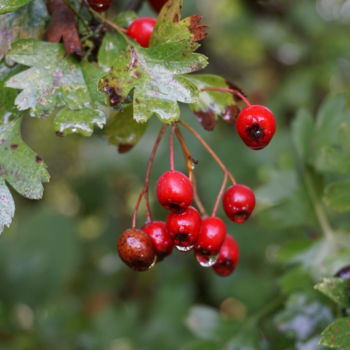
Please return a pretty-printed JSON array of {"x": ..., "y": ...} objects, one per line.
[{"x": 62, "y": 285}]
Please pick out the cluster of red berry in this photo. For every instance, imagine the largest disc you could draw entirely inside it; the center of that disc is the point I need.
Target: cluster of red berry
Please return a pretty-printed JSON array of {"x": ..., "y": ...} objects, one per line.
[{"x": 185, "y": 227}]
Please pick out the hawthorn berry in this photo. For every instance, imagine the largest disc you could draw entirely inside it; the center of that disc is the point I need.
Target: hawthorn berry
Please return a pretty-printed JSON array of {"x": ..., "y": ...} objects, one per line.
[
  {"x": 211, "y": 236},
  {"x": 228, "y": 257},
  {"x": 141, "y": 30},
  {"x": 162, "y": 241},
  {"x": 157, "y": 4},
  {"x": 136, "y": 249},
  {"x": 238, "y": 202},
  {"x": 174, "y": 190},
  {"x": 256, "y": 126},
  {"x": 184, "y": 227},
  {"x": 100, "y": 5}
]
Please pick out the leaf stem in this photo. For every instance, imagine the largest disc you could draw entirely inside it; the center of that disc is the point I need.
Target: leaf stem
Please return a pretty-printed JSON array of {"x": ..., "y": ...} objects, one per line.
[
  {"x": 209, "y": 150},
  {"x": 145, "y": 190},
  {"x": 231, "y": 91},
  {"x": 218, "y": 199}
]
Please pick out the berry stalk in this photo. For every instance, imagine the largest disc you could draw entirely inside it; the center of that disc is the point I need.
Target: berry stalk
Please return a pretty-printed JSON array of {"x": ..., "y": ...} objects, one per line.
[
  {"x": 209, "y": 149},
  {"x": 218, "y": 199},
  {"x": 231, "y": 91}
]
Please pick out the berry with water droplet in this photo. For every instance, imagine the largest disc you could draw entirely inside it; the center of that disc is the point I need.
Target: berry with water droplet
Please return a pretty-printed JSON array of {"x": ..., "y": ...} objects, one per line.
[
  {"x": 162, "y": 241},
  {"x": 256, "y": 126},
  {"x": 136, "y": 249},
  {"x": 238, "y": 203},
  {"x": 184, "y": 227},
  {"x": 100, "y": 5},
  {"x": 141, "y": 30},
  {"x": 174, "y": 190},
  {"x": 211, "y": 236},
  {"x": 228, "y": 257}
]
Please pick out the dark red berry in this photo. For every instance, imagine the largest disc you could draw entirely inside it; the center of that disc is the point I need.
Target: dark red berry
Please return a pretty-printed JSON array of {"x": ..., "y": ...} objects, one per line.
[
  {"x": 344, "y": 273},
  {"x": 228, "y": 257},
  {"x": 184, "y": 228},
  {"x": 157, "y": 4},
  {"x": 174, "y": 190},
  {"x": 256, "y": 125},
  {"x": 211, "y": 236},
  {"x": 141, "y": 30},
  {"x": 136, "y": 249},
  {"x": 162, "y": 241},
  {"x": 238, "y": 203},
  {"x": 100, "y": 5}
]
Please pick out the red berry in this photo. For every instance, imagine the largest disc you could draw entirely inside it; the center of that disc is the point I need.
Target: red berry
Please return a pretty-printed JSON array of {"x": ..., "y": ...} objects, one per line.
[
  {"x": 211, "y": 236},
  {"x": 184, "y": 228},
  {"x": 141, "y": 30},
  {"x": 100, "y": 5},
  {"x": 228, "y": 257},
  {"x": 256, "y": 125},
  {"x": 174, "y": 190},
  {"x": 157, "y": 4},
  {"x": 238, "y": 203},
  {"x": 161, "y": 238},
  {"x": 136, "y": 249}
]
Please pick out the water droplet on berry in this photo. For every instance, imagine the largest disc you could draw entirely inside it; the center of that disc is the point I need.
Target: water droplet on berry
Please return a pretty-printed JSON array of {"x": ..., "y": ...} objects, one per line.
[
  {"x": 206, "y": 260},
  {"x": 184, "y": 249}
]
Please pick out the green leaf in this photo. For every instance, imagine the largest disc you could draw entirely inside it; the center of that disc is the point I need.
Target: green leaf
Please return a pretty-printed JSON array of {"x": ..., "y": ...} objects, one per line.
[
  {"x": 52, "y": 82},
  {"x": 336, "y": 289},
  {"x": 212, "y": 104},
  {"x": 155, "y": 76},
  {"x": 125, "y": 18},
  {"x": 19, "y": 165},
  {"x": 203, "y": 321},
  {"x": 337, "y": 335},
  {"x": 113, "y": 44},
  {"x": 122, "y": 130},
  {"x": 28, "y": 22},
  {"x": 7, "y": 206},
  {"x": 337, "y": 196},
  {"x": 302, "y": 128},
  {"x": 295, "y": 279},
  {"x": 12, "y": 5}
]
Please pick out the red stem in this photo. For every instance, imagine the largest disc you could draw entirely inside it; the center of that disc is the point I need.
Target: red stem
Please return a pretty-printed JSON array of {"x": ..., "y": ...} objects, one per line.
[
  {"x": 218, "y": 199},
  {"x": 145, "y": 189},
  {"x": 231, "y": 91},
  {"x": 209, "y": 149},
  {"x": 171, "y": 147}
]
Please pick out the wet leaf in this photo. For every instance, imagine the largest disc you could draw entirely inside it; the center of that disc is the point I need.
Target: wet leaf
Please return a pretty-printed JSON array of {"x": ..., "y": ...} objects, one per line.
[
  {"x": 113, "y": 44},
  {"x": 7, "y": 206},
  {"x": 212, "y": 105},
  {"x": 337, "y": 335},
  {"x": 12, "y": 5},
  {"x": 123, "y": 131},
  {"x": 28, "y": 22},
  {"x": 53, "y": 81},
  {"x": 336, "y": 289}
]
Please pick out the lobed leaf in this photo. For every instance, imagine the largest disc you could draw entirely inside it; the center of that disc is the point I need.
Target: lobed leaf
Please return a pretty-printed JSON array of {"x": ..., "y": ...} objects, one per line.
[
  {"x": 7, "y": 206},
  {"x": 336, "y": 289},
  {"x": 12, "y": 5},
  {"x": 337, "y": 334}
]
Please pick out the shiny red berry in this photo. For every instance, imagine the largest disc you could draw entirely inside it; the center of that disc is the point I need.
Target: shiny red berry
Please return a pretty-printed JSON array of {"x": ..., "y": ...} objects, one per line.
[
  {"x": 157, "y": 4},
  {"x": 174, "y": 190},
  {"x": 141, "y": 30},
  {"x": 136, "y": 249},
  {"x": 184, "y": 228},
  {"x": 162, "y": 241},
  {"x": 211, "y": 236},
  {"x": 238, "y": 203},
  {"x": 228, "y": 257},
  {"x": 256, "y": 125},
  {"x": 100, "y": 5}
]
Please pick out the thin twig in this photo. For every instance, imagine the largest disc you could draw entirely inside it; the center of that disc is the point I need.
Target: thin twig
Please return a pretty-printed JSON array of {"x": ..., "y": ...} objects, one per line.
[
  {"x": 171, "y": 147},
  {"x": 218, "y": 199}
]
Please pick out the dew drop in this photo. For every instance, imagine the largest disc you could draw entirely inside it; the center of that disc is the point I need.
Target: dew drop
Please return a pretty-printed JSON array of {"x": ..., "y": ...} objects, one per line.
[
  {"x": 206, "y": 261},
  {"x": 184, "y": 249}
]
